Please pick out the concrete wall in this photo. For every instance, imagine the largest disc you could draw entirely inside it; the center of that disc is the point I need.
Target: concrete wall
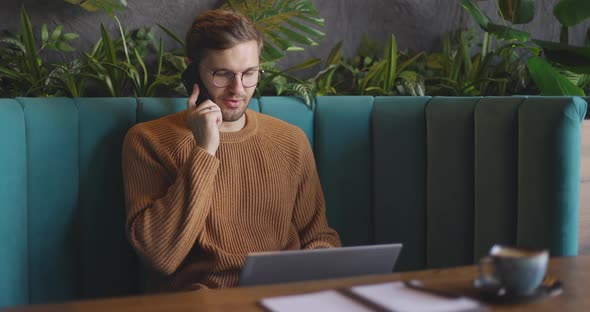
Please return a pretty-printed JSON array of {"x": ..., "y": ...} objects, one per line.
[{"x": 417, "y": 24}]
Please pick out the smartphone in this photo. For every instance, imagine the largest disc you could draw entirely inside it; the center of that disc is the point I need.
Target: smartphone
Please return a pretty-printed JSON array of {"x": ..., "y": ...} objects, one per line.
[{"x": 190, "y": 77}]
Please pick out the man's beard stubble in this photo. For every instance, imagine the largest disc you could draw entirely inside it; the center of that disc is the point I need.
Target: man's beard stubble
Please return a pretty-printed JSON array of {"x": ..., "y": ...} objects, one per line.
[{"x": 231, "y": 116}]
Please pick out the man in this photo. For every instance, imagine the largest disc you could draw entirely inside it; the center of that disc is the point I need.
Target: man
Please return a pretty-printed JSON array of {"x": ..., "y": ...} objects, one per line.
[{"x": 206, "y": 186}]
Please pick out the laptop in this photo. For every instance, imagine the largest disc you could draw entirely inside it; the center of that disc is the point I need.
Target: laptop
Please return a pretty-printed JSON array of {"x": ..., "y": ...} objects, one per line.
[{"x": 314, "y": 264}]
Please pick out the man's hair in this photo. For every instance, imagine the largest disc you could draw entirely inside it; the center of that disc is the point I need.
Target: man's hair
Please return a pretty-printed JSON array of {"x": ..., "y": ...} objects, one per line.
[{"x": 219, "y": 30}]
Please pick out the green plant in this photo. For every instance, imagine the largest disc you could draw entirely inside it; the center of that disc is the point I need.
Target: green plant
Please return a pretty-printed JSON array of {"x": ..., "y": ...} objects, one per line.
[
  {"x": 142, "y": 84},
  {"x": 104, "y": 65},
  {"x": 117, "y": 65},
  {"x": 109, "y": 6},
  {"x": 22, "y": 70},
  {"x": 368, "y": 73},
  {"x": 336, "y": 77},
  {"x": 284, "y": 24},
  {"x": 275, "y": 81},
  {"x": 463, "y": 68},
  {"x": 384, "y": 77},
  {"x": 68, "y": 78},
  {"x": 174, "y": 62},
  {"x": 564, "y": 59}
]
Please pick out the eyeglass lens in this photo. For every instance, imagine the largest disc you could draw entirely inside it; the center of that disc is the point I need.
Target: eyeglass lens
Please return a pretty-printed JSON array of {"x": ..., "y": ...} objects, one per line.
[{"x": 224, "y": 78}]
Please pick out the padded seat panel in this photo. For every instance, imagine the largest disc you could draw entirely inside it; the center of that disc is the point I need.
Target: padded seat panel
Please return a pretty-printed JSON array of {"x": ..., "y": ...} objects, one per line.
[
  {"x": 14, "y": 258},
  {"x": 344, "y": 159},
  {"x": 52, "y": 197},
  {"x": 399, "y": 176}
]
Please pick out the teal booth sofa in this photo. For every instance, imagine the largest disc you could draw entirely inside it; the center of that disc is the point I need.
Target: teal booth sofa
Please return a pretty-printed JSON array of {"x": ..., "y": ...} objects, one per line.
[{"x": 446, "y": 176}]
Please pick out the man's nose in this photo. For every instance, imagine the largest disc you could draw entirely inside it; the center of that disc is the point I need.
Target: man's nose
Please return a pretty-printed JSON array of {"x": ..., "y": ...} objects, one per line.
[{"x": 237, "y": 85}]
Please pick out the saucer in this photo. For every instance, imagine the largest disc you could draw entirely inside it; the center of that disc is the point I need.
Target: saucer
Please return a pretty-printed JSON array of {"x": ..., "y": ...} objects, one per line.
[{"x": 492, "y": 292}]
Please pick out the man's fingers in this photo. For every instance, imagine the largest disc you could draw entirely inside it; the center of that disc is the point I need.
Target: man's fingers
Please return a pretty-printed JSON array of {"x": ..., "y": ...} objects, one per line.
[
  {"x": 212, "y": 109},
  {"x": 209, "y": 107},
  {"x": 192, "y": 100}
]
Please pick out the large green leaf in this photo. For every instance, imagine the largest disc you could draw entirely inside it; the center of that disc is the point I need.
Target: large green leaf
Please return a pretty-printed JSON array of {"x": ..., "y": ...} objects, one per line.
[
  {"x": 478, "y": 15},
  {"x": 306, "y": 29},
  {"x": 576, "y": 59},
  {"x": 113, "y": 77},
  {"x": 465, "y": 53},
  {"x": 11, "y": 74},
  {"x": 172, "y": 35},
  {"x": 517, "y": 11},
  {"x": 284, "y": 24},
  {"x": 109, "y": 46},
  {"x": 401, "y": 67},
  {"x": 44, "y": 34},
  {"x": 549, "y": 80},
  {"x": 335, "y": 55},
  {"x": 391, "y": 53},
  {"x": 572, "y": 12},
  {"x": 435, "y": 61},
  {"x": 485, "y": 23},
  {"x": 507, "y": 33},
  {"x": 110, "y": 6},
  {"x": 305, "y": 65},
  {"x": 28, "y": 39},
  {"x": 270, "y": 52}
]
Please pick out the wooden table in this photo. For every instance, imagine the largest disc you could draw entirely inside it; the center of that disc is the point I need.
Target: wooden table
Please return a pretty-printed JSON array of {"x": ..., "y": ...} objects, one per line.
[{"x": 574, "y": 272}]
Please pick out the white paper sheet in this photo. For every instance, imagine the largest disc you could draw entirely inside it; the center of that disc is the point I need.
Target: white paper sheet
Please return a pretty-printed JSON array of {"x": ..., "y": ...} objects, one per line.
[
  {"x": 394, "y": 296},
  {"x": 326, "y": 301},
  {"x": 397, "y": 297}
]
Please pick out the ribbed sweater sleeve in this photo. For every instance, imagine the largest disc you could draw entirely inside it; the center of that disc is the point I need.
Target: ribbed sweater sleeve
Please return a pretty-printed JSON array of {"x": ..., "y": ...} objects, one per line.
[
  {"x": 166, "y": 209},
  {"x": 309, "y": 214}
]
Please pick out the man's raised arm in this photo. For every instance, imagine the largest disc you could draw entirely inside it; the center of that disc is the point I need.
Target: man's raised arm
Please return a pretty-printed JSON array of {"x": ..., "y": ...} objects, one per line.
[{"x": 165, "y": 213}]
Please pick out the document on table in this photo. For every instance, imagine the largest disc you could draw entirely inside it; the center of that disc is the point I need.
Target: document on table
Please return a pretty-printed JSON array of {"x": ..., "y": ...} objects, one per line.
[
  {"x": 394, "y": 296},
  {"x": 398, "y": 297},
  {"x": 327, "y": 300}
]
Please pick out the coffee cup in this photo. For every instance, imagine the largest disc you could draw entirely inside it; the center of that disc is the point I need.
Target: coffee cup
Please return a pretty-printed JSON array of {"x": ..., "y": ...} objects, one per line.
[{"x": 516, "y": 271}]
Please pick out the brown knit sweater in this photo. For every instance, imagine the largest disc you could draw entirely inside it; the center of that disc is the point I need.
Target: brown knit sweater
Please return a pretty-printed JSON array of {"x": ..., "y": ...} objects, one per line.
[{"x": 192, "y": 217}]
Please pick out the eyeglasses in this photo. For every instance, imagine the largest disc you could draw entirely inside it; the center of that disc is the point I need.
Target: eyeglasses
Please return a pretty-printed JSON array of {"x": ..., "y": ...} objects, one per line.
[{"x": 223, "y": 78}]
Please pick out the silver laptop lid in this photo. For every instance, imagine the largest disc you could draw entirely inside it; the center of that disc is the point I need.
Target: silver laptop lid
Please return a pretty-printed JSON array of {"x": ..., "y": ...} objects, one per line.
[{"x": 314, "y": 264}]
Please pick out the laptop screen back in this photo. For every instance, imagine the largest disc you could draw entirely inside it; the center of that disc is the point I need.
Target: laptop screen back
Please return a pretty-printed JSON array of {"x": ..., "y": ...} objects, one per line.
[{"x": 314, "y": 264}]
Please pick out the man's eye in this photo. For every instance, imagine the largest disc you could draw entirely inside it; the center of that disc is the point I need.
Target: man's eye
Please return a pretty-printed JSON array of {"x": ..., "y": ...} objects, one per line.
[{"x": 250, "y": 73}]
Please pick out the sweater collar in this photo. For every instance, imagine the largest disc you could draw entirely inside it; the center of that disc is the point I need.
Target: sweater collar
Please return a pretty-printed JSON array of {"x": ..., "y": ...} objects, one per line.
[{"x": 249, "y": 129}]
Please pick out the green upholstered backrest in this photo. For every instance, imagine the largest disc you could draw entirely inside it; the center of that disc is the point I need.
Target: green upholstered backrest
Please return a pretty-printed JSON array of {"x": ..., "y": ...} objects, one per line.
[
  {"x": 446, "y": 176},
  {"x": 73, "y": 206},
  {"x": 465, "y": 173},
  {"x": 343, "y": 155},
  {"x": 51, "y": 128},
  {"x": 13, "y": 205},
  {"x": 399, "y": 176}
]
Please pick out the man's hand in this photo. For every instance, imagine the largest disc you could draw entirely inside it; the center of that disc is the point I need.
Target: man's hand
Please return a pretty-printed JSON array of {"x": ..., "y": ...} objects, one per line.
[{"x": 204, "y": 121}]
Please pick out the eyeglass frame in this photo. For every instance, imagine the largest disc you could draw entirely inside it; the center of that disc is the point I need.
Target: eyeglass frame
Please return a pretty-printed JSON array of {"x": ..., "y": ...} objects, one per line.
[{"x": 213, "y": 72}]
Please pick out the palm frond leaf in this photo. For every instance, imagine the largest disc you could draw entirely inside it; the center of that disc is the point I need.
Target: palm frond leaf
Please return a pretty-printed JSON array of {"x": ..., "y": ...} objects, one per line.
[{"x": 284, "y": 24}]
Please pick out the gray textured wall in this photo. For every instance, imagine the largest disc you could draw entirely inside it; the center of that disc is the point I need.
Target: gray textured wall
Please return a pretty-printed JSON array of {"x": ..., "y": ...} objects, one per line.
[{"x": 417, "y": 24}]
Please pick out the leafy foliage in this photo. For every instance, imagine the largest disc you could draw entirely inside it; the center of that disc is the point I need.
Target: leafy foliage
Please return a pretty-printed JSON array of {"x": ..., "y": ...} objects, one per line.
[
  {"x": 504, "y": 61},
  {"x": 284, "y": 24},
  {"x": 562, "y": 56},
  {"x": 549, "y": 80},
  {"x": 117, "y": 65},
  {"x": 23, "y": 71},
  {"x": 465, "y": 69},
  {"x": 373, "y": 72},
  {"x": 109, "y": 6}
]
